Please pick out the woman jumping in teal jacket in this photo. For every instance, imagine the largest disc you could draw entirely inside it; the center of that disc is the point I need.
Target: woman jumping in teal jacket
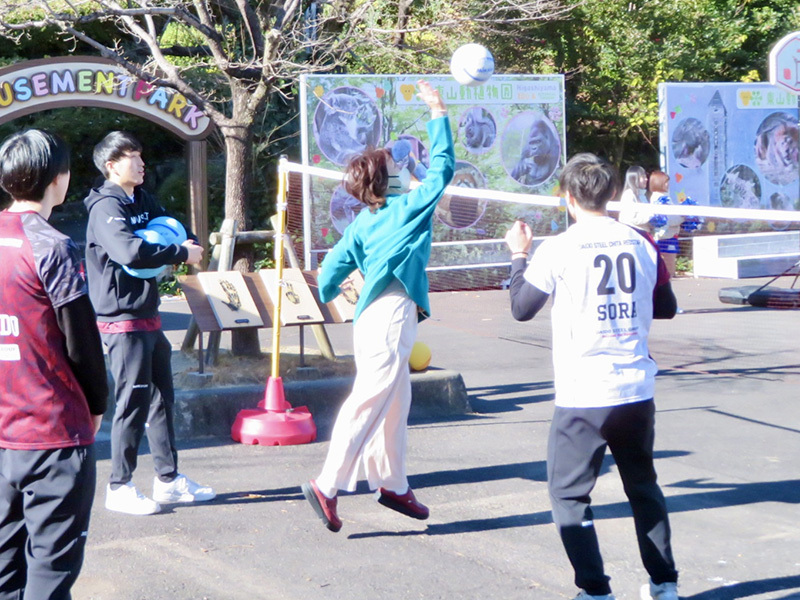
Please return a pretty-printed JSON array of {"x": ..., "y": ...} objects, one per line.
[{"x": 390, "y": 243}]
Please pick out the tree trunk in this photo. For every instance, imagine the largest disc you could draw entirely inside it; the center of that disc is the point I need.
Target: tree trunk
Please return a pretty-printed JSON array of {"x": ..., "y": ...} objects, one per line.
[
  {"x": 619, "y": 149},
  {"x": 238, "y": 175},
  {"x": 403, "y": 14}
]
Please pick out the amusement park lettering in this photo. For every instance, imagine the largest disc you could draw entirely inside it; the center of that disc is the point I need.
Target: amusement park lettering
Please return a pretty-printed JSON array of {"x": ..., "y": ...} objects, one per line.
[{"x": 15, "y": 91}]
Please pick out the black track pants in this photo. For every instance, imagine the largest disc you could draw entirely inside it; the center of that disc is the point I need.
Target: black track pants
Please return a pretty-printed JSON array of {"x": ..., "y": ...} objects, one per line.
[
  {"x": 142, "y": 369},
  {"x": 45, "y": 500},
  {"x": 577, "y": 444}
]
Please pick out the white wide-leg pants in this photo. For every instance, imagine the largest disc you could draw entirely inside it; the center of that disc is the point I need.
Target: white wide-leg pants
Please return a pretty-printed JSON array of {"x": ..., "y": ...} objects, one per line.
[{"x": 371, "y": 428}]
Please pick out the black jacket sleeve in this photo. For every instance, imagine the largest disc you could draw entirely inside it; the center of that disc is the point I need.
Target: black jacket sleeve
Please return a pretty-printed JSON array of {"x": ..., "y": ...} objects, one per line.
[
  {"x": 526, "y": 299},
  {"x": 85, "y": 351},
  {"x": 665, "y": 305}
]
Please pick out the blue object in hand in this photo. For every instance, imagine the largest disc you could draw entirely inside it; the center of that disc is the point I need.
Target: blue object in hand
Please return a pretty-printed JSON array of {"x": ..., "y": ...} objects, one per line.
[
  {"x": 171, "y": 229},
  {"x": 691, "y": 223},
  {"x": 163, "y": 231},
  {"x": 657, "y": 221}
]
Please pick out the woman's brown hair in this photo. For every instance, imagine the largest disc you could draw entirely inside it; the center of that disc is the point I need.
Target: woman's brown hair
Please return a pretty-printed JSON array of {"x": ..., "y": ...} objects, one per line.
[
  {"x": 658, "y": 181},
  {"x": 367, "y": 177}
]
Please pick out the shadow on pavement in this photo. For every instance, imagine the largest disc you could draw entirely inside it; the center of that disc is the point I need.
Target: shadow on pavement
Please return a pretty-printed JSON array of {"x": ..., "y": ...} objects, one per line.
[
  {"x": 751, "y": 588},
  {"x": 533, "y": 471},
  {"x": 247, "y": 497},
  {"x": 730, "y": 495},
  {"x": 782, "y": 491},
  {"x": 718, "y": 495},
  {"x": 686, "y": 370},
  {"x": 485, "y": 399},
  {"x": 256, "y": 496},
  {"x": 753, "y": 421}
]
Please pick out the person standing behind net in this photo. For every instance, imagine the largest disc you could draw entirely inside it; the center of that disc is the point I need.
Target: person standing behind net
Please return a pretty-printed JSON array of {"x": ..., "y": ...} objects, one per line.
[
  {"x": 634, "y": 194},
  {"x": 608, "y": 283},
  {"x": 665, "y": 228},
  {"x": 53, "y": 392},
  {"x": 139, "y": 353},
  {"x": 390, "y": 243}
]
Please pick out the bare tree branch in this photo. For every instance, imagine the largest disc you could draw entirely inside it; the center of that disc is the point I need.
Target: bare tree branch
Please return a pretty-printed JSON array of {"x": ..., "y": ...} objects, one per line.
[
  {"x": 250, "y": 18},
  {"x": 229, "y": 57}
]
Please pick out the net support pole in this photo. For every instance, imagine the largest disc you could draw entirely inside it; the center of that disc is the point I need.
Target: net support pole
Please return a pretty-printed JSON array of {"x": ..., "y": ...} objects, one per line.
[
  {"x": 274, "y": 422},
  {"x": 319, "y": 331},
  {"x": 280, "y": 231}
]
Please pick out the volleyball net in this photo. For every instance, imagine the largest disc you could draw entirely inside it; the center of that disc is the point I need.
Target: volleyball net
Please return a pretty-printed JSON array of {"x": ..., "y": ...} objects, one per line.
[{"x": 469, "y": 252}]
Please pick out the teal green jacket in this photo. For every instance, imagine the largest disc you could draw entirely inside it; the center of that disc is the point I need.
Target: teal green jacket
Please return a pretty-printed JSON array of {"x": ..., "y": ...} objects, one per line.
[{"x": 394, "y": 241}]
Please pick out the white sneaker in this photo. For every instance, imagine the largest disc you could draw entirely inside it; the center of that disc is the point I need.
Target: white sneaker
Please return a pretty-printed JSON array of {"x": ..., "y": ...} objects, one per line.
[
  {"x": 663, "y": 591},
  {"x": 181, "y": 489},
  {"x": 582, "y": 595},
  {"x": 127, "y": 499}
]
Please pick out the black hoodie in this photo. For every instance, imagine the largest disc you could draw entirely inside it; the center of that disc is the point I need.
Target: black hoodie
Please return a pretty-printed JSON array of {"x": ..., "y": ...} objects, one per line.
[{"x": 111, "y": 243}]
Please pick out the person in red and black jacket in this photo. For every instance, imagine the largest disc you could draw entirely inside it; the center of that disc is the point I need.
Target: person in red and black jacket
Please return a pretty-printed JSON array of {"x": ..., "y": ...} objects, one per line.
[{"x": 53, "y": 389}]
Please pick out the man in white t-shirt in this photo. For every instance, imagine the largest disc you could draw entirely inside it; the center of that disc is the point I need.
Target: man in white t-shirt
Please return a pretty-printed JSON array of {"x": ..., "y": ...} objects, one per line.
[{"x": 608, "y": 283}]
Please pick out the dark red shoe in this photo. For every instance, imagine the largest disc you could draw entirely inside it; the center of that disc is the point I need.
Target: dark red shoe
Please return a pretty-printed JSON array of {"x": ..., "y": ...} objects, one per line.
[
  {"x": 405, "y": 503},
  {"x": 323, "y": 506}
]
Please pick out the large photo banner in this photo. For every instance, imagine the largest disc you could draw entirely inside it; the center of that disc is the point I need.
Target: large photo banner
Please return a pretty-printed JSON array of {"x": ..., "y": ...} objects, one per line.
[
  {"x": 509, "y": 135},
  {"x": 733, "y": 145}
]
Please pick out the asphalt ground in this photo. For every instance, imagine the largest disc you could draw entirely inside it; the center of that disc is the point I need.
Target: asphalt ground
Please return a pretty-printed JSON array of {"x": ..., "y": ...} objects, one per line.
[{"x": 727, "y": 448}]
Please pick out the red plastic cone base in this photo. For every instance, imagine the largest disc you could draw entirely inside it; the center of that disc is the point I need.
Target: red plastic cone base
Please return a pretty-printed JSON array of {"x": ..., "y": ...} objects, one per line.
[
  {"x": 274, "y": 397},
  {"x": 274, "y": 422},
  {"x": 265, "y": 428}
]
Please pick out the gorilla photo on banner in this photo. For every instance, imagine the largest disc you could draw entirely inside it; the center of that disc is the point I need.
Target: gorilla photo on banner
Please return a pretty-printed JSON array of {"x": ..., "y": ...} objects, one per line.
[{"x": 540, "y": 154}]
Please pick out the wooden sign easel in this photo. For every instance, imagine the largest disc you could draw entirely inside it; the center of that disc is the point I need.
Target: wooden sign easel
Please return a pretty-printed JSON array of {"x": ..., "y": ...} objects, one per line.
[
  {"x": 207, "y": 321},
  {"x": 223, "y": 245}
]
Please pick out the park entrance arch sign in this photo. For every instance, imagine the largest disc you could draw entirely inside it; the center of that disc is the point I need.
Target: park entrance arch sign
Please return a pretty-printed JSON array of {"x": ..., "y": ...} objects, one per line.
[{"x": 37, "y": 85}]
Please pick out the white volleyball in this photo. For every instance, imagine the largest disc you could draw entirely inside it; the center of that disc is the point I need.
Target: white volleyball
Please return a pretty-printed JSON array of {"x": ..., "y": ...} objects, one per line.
[{"x": 472, "y": 64}]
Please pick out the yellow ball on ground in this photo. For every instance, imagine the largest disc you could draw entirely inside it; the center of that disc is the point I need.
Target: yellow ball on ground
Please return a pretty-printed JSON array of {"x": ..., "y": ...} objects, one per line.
[{"x": 420, "y": 357}]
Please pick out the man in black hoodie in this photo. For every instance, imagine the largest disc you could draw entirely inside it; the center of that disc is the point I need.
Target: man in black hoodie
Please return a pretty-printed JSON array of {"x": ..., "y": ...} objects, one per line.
[{"x": 127, "y": 314}]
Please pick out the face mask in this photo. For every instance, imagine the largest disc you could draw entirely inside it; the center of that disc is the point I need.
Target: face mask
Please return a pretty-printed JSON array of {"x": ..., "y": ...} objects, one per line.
[{"x": 400, "y": 182}]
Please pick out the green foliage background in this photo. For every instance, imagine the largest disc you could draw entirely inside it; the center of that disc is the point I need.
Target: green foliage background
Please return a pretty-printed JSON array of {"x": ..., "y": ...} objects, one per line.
[{"x": 613, "y": 54}]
